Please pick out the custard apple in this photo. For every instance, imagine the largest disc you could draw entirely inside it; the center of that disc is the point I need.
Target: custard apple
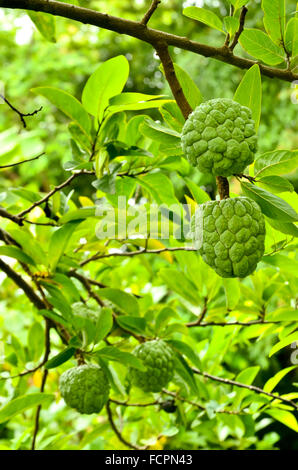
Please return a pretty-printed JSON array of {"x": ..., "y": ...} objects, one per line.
[
  {"x": 84, "y": 311},
  {"x": 219, "y": 137},
  {"x": 85, "y": 388},
  {"x": 229, "y": 235},
  {"x": 158, "y": 358}
]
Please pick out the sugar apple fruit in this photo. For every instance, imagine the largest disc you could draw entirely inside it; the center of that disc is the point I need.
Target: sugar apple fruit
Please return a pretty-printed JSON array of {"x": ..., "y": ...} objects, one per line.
[
  {"x": 219, "y": 137},
  {"x": 84, "y": 311},
  {"x": 85, "y": 388},
  {"x": 158, "y": 358},
  {"x": 229, "y": 235}
]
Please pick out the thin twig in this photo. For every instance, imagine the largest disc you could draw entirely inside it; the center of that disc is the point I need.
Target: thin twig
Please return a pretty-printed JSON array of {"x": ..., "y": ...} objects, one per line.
[
  {"x": 198, "y": 405},
  {"x": 53, "y": 191},
  {"x": 19, "y": 113},
  {"x": 150, "y": 12},
  {"x": 43, "y": 382},
  {"x": 23, "y": 161},
  {"x": 240, "y": 29},
  {"x": 234, "y": 323},
  {"x": 136, "y": 253},
  {"x": 117, "y": 432},
  {"x": 252, "y": 388}
]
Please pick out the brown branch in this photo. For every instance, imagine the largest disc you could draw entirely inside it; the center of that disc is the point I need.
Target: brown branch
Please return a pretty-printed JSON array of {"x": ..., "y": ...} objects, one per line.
[
  {"x": 244, "y": 10},
  {"x": 234, "y": 323},
  {"x": 14, "y": 218},
  {"x": 136, "y": 29},
  {"x": 197, "y": 405},
  {"x": 37, "y": 416},
  {"x": 252, "y": 388},
  {"x": 19, "y": 113},
  {"x": 20, "y": 282},
  {"x": 20, "y": 163},
  {"x": 201, "y": 316},
  {"x": 136, "y": 253},
  {"x": 53, "y": 191},
  {"x": 223, "y": 187},
  {"x": 117, "y": 432},
  {"x": 169, "y": 70},
  {"x": 86, "y": 283},
  {"x": 125, "y": 403},
  {"x": 150, "y": 12}
]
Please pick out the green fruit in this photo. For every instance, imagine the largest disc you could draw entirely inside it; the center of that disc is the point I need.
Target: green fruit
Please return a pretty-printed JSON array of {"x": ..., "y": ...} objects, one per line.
[
  {"x": 230, "y": 235},
  {"x": 85, "y": 388},
  {"x": 81, "y": 310},
  {"x": 219, "y": 137},
  {"x": 158, "y": 358}
]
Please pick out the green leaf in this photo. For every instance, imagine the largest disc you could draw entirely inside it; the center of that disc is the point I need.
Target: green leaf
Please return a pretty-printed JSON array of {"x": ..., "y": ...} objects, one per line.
[
  {"x": 284, "y": 227},
  {"x": 232, "y": 290},
  {"x": 59, "y": 241},
  {"x": 36, "y": 341},
  {"x": 246, "y": 376},
  {"x": 293, "y": 338},
  {"x": 282, "y": 262},
  {"x": 164, "y": 316},
  {"x": 274, "y": 19},
  {"x": 186, "y": 350},
  {"x": 130, "y": 323},
  {"x": 291, "y": 37},
  {"x": 134, "y": 102},
  {"x": 260, "y": 46},
  {"x": 111, "y": 353},
  {"x": 285, "y": 417},
  {"x": 207, "y": 17},
  {"x": 278, "y": 162},
  {"x": 16, "y": 253},
  {"x": 107, "y": 81},
  {"x": 60, "y": 358},
  {"x": 249, "y": 93},
  {"x": 271, "y": 205},
  {"x": 179, "y": 283},
  {"x": 104, "y": 324},
  {"x": 46, "y": 24},
  {"x": 172, "y": 115},
  {"x": 238, "y": 3},
  {"x": 160, "y": 133},
  {"x": 23, "y": 403},
  {"x": 273, "y": 381},
  {"x": 190, "y": 89},
  {"x": 78, "y": 215},
  {"x": 160, "y": 187},
  {"x": 231, "y": 25},
  {"x": 199, "y": 195},
  {"x": 68, "y": 104},
  {"x": 276, "y": 184},
  {"x": 185, "y": 372},
  {"x": 126, "y": 302}
]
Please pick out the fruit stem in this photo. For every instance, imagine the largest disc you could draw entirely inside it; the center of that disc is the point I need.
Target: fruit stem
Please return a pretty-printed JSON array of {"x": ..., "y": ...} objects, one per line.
[{"x": 223, "y": 187}]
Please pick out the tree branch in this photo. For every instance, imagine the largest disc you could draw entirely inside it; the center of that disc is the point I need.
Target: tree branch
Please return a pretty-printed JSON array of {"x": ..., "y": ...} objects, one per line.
[
  {"x": 117, "y": 432},
  {"x": 136, "y": 253},
  {"x": 19, "y": 113},
  {"x": 240, "y": 29},
  {"x": 136, "y": 29},
  {"x": 223, "y": 187},
  {"x": 252, "y": 388},
  {"x": 169, "y": 70},
  {"x": 150, "y": 12},
  {"x": 52, "y": 192},
  {"x": 24, "y": 161}
]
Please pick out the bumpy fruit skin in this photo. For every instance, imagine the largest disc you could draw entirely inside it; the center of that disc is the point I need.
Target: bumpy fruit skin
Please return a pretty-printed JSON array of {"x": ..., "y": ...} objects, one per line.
[
  {"x": 230, "y": 235},
  {"x": 219, "y": 137},
  {"x": 85, "y": 388},
  {"x": 81, "y": 310},
  {"x": 158, "y": 358}
]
